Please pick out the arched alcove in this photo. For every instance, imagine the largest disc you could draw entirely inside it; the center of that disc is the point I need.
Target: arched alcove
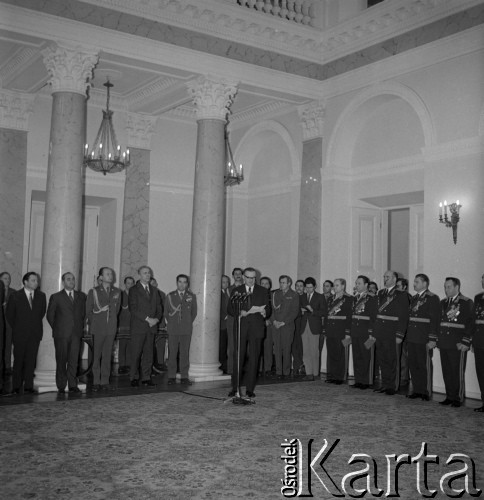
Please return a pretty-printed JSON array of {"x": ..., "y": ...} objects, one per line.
[{"x": 388, "y": 121}]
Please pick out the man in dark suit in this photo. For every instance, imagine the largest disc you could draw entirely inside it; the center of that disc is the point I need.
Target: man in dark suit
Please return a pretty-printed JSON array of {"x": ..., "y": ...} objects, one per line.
[
  {"x": 25, "y": 311},
  {"x": 254, "y": 311},
  {"x": 7, "y": 347},
  {"x": 478, "y": 342},
  {"x": 313, "y": 310},
  {"x": 146, "y": 312},
  {"x": 224, "y": 301},
  {"x": 66, "y": 313}
]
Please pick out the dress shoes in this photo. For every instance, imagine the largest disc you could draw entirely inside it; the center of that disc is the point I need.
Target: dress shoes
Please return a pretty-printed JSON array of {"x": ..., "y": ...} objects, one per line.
[
  {"x": 267, "y": 374},
  {"x": 108, "y": 387},
  {"x": 382, "y": 389},
  {"x": 445, "y": 402},
  {"x": 148, "y": 383},
  {"x": 74, "y": 390},
  {"x": 30, "y": 391},
  {"x": 250, "y": 394},
  {"x": 356, "y": 386},
  {"x": 186, "y": 381},
  {"x": 231, "y": 394},
  {"x": 425, "y": 397},
  {"x": 479, "y": 410},
  {"x": 455, "y": 404},
  {"x": 415, "y": 395},
  {"x": 280, "y": 377},
  {"x": 171, "y": 381},
  {"x": 364, "y": 386},
  {"x": 135, "y": 382},
  {"x": 309, "y": 378},
  {"x": 61, "y": 391},
  {"x": 96, "y": 388},
  {"x": 329, "y": 381},
  {"x": 390, "y": 392},
  {"x": 337, "y": 382}
]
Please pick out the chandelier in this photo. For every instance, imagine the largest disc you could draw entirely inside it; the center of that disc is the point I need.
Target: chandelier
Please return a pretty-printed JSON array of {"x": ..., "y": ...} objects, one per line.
[
  {"x": 233, "y": 174},
  {"x": 105, "y": 155}
]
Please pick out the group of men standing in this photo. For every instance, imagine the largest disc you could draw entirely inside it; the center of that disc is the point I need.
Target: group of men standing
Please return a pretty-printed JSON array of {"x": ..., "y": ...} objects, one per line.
[
  {"x": 70, "y": 313},
  {"x": 381, "y": 327}
]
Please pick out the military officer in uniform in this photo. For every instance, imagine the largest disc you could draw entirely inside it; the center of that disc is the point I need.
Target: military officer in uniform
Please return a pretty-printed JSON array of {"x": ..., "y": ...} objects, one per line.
[
  {"x": 478, "y": 341},
  {"x": 180, "y": 313},
  {"x": 338, "y": 340},
  {"x": 454, "y": 338},
  {"x": 285, "y": 308},
  {"x": 362, "y": 340},
  {"x": 423, "y": 324},
  {"x": 389, "y": 331}
]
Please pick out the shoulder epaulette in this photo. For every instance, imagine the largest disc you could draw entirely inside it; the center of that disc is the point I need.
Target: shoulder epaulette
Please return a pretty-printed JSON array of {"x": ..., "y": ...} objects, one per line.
[{"x": 463, "y": 297}]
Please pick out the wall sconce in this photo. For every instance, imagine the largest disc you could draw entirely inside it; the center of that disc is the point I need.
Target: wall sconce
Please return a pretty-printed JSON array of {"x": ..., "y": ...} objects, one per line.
[{"x": 454, "y": 218}]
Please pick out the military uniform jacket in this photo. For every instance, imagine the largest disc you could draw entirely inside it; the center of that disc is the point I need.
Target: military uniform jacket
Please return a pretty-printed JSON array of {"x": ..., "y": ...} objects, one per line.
[
  {"x": 478, "y": 335},
  {"x": 180, "y": 313},
  {"x": 456, "y": 322},
  {"x": 338, "y": 321},
  {"x": 364, "y": 314},
  {"x": 392, "y": 313},
  {"x": 285, "y": 307},
  {"x": 424, "y": 318},
  {"x": 103, "y": 322}
]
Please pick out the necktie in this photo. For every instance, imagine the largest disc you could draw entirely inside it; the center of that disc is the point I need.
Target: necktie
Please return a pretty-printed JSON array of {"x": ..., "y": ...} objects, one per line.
[
  {"x": 309, "y": 298},
  {"x": 250, "y": 289},
  {"x": 147, "y": 290},
  {"x": 31, "y": 299},
  {"x": 71, "y": 296}
]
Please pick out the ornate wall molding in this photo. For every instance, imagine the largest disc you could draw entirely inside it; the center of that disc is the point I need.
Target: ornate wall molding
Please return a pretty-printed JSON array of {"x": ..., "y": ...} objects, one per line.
[
  {"x": 312, "y": 119},
  {"x": 140, "y": 130},
  {"x": 468, "y": 146},
  {"x": 212, "y": 97},
  {"x": 227, "y": 20},
  {"x": 70, "y": 68},
  {"x": 15, "y": 109}
]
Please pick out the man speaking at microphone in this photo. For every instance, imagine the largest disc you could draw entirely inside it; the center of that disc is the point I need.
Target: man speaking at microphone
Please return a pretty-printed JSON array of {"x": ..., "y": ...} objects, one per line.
[{"x": 255, "y": 309}]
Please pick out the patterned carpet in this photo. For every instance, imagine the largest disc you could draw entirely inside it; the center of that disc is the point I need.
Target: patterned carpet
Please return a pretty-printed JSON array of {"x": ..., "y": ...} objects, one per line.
[{"x": 183, "y": 446}]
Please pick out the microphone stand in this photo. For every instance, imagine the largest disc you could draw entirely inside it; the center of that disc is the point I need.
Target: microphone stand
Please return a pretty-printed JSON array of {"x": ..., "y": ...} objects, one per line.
[{"x": 238, "y": 300}]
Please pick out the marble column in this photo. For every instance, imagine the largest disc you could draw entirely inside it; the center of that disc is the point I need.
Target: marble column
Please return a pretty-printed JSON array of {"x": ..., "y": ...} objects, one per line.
[
  {"x": 212, "y": 99},
  {"x": 309, "y": 247},
  {"x": 136, "y": 212},
  {"x": 15, "y": 109},
  {"x": 69, "y": 70}
]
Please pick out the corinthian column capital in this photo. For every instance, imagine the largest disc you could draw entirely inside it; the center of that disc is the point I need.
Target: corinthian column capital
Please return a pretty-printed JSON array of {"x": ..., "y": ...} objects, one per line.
[
  {"x": 312, "y": 119},
  {"x": 70, "y": 68},
  {"x": 212, "y": 97}
]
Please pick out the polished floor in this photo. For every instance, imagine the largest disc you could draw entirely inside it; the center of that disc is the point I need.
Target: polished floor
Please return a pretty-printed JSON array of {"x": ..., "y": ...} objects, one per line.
[{"x": 120, "y": 386}]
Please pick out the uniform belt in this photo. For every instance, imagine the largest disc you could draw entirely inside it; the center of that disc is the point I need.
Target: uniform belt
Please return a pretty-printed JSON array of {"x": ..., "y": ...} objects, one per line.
[
  {"x": 336, "y": 317},
  {"x": 389, "y": 318},
  {"x": 452, "y": 325},
  {"x": 419, "y": 320},
  {"x": 479, "y": 321},
  {"x": 357, "y": 316}
]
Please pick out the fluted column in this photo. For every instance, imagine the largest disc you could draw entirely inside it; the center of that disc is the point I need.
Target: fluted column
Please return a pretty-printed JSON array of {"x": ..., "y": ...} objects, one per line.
[
  {"x": 212, "y": 99},
  {"x": 309, "y": 251},
  {"x": 69, "y": 69}
]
